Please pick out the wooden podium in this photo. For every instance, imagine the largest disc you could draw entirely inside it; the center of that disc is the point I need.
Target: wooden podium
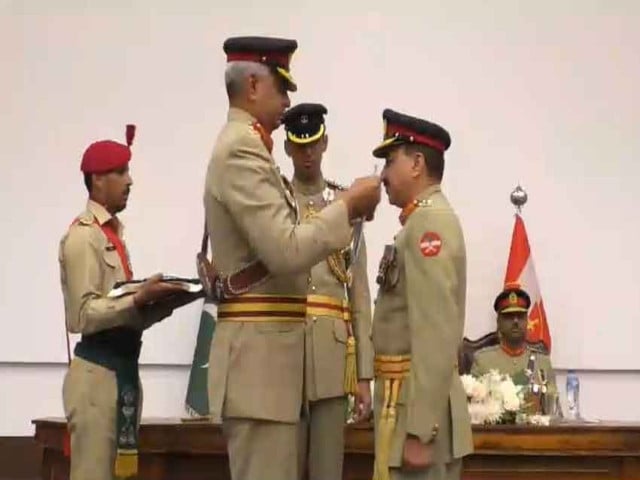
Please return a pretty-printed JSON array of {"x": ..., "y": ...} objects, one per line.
[{"x": 175, "y": 450}]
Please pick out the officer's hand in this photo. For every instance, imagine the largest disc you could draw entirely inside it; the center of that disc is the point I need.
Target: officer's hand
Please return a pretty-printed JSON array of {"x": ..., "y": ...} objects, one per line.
[
  {"x": 362, "y": 401},
  {"x": 416, "y": 455},
  {"x": 363, "y": 197},
  {"x": 153, "y": 289}
]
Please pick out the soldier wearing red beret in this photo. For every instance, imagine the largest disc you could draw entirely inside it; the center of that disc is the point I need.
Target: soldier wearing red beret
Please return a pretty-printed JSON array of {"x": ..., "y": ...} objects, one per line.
[{"x": 102, "y": 392}]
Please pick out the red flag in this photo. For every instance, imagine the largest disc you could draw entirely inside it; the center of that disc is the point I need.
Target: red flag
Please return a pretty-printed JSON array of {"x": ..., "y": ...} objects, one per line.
[{"x": 521, "y": 271}]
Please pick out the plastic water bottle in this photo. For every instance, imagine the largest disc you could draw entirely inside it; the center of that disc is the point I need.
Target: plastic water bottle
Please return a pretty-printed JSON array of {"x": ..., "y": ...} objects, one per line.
[{"x": 573, "y": 395}]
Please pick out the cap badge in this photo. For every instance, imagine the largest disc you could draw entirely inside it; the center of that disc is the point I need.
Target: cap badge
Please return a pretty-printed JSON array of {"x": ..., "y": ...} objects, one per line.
[{"x": 513, "y": 298}]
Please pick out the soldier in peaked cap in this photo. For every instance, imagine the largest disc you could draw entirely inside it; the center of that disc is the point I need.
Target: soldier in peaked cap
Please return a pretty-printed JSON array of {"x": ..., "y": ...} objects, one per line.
[
  {"x": 338, "y": 351},
  {"x": 101, "y": 393},
  {"x": 422, "y": 424},
  {"x": 261, "y": 249},
  {"x": 275, "y": 53},
  {"x": 514, "y": 355}
]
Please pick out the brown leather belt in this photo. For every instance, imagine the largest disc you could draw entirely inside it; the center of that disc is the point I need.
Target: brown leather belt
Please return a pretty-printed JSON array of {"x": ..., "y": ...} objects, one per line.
[
  {"x": 325, "y": 306},
  {"x": 241, "y": 281},
  {"x": 218, "y": 287},
  {"x": 262, "y": 308}
]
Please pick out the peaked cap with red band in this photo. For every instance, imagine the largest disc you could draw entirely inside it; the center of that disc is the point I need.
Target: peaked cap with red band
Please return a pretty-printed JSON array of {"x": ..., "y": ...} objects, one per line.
[
  {"x": 512, "y": 299},
  {"x": 274, "y": 52},
  {"x": 402, "y": 129},
  {"x": 106, "y": 155}
]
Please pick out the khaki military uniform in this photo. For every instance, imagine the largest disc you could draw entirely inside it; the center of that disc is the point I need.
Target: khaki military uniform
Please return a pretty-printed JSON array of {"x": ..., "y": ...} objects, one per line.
[
  {"x": 89, "y": 267},
  {"x": 257, "y": 353},
  {"x": 326, "y": 343},
  {"x": 417, "y": 329},
  {"x": 495, "y": 358}
]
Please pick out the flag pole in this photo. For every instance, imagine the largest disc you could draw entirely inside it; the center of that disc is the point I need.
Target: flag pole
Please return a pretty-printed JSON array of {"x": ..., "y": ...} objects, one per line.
[{"x": 518, "y": 198}]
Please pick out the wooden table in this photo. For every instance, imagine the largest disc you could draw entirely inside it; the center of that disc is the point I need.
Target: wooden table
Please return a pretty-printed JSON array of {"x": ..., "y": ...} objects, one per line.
[{"x": 174, "y": 450}]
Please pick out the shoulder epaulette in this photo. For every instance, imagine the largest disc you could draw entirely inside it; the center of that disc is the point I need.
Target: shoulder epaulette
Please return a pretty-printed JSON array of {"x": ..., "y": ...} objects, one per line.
[
  {"x": 264, "y": 136},
  {"x": 490, "y": 348},
  {"x": 538, "y": 348},
  {"x": 424, "y": 203},
  {"x": 335, "y": 185},
  {"x": 85, "y": 218}
]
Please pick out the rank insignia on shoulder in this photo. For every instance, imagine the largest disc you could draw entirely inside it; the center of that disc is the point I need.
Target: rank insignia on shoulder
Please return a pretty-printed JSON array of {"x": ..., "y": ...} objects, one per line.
[
  {"x": 264, "y": 136},
  {"x": 335, "y": 185},
  {"x": 329, "y": 193}
]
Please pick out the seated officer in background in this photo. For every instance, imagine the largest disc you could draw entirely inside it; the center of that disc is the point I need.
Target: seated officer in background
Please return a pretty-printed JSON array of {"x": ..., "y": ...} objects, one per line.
[
  {"x": 101, "y": 394},
  {"x": 514, "y": 356},
  {"x": 338, "y": 351}
]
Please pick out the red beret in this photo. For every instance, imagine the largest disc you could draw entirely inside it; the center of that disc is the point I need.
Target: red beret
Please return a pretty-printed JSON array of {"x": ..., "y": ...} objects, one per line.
[{"x": 107, "y": 155}]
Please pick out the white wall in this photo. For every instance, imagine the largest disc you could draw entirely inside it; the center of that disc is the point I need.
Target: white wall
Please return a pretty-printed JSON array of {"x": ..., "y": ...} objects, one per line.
[
  {"x": 34, "y": 391},
  {"x": 544, "y": 93}
]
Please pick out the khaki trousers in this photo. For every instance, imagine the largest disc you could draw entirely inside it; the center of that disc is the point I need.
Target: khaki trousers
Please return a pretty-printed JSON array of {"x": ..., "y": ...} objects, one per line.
[
  {"x": 89, "y": 395},
  {"x": 449, "y": 471},
  {"x": 261, "y": 450},
  {"x": 322, "y": 439}
]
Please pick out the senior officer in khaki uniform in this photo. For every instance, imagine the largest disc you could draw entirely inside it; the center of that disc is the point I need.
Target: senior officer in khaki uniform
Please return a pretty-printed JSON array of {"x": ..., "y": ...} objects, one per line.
[
  {"x": 422, "y": 423},
  {"x": 513, "y": 355},
  {"x": 101, "y": 393},
  {"x": 264, "y": 255},
  {"x": 338, "y": 351}
]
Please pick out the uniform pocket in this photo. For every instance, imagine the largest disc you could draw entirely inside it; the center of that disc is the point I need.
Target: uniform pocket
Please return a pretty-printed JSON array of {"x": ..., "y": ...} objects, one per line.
[
  {"x": 104, "y": 388},
  {"x": 340, "y": 331},
  {"x": 111, "y": 258},
  {"x": 275, "y": 327}
]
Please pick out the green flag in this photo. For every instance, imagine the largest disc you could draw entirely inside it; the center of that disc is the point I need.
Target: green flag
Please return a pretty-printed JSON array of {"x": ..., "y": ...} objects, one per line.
[{"x": 197, "y": 401}]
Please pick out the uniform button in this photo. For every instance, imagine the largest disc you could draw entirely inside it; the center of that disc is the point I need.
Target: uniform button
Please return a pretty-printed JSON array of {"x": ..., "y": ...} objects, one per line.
[{"x": 313, "y": 288}]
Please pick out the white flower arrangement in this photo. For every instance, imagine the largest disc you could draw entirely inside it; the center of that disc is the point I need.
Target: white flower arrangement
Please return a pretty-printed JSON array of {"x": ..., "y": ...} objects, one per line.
[{"x": 494, "y": 399}]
